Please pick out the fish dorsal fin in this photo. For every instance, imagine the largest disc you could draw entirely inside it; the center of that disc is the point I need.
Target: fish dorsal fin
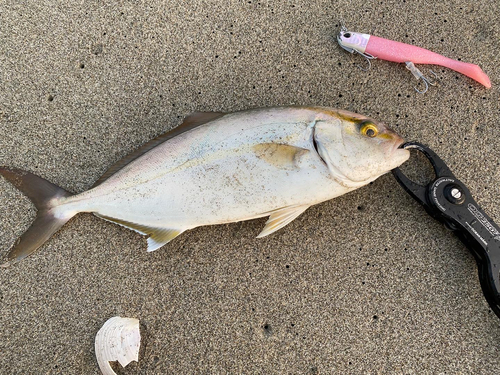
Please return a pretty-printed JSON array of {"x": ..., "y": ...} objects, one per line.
[
  {"x": 280, "y": 218},
  {"x": 190, "y": 122},
  {"x": 157, "y": 236},
  {"x": 280, "y": 155}
]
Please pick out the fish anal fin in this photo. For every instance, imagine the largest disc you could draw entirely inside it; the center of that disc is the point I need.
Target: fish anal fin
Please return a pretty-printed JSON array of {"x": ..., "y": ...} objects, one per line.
[
  {"x": 162, "y": 237},
  {"x": 157, "y": 237},
  {"x": 190, "y": 122},
  {"x": 280, "y": 155},
  {"x": 280, "y": 218}
]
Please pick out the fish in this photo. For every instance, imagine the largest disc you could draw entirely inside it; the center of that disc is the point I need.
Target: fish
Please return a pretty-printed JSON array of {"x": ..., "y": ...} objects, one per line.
[
  {"x": 371, "y": 46},
  {"x": 218, "y": 168}
]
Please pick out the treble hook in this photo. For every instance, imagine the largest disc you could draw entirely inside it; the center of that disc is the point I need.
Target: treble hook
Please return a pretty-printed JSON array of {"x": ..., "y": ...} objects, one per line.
[{"x": 419, "y": 75}]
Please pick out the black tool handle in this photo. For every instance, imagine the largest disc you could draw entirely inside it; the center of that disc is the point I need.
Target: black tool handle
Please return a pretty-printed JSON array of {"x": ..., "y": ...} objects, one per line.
[
  {"x": 448, "y": 200},
  {"x": 455, "y": 207}
]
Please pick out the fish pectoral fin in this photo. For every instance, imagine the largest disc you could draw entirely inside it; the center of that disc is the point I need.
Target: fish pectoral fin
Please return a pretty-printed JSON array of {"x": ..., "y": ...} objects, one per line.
[
  {"x": 157, "y": 237},
  {"x": 280, "y": 218},
  {"x": 280, "y": 155}
]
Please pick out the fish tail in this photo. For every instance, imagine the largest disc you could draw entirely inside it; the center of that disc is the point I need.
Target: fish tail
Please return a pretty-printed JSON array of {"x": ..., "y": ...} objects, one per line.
[{"x": 45, "y": 196}]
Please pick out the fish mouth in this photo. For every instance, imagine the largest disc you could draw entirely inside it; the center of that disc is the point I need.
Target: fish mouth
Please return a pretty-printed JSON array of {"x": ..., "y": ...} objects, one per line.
[
  {"x": 394, "y": 149},
  {"x": 396, "y": 144},
  {"x": 398, "y": 152}
]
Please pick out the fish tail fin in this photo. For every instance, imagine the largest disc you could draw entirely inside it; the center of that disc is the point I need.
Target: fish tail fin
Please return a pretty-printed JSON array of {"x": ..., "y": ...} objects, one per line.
[{"x": 45, "y": 197}]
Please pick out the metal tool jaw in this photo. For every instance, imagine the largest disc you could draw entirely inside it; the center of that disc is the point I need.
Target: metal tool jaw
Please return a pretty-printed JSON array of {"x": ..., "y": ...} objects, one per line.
[{"x": 448, "y": 200}]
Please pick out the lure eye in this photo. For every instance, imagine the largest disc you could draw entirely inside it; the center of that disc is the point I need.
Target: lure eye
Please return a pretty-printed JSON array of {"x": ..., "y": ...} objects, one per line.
[
  {"x": 347, "y": 35},
  {"x": 368, "y": 129}
]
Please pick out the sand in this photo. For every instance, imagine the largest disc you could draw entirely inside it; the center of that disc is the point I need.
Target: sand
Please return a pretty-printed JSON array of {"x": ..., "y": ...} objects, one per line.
[{"x": 365, "y": 283}]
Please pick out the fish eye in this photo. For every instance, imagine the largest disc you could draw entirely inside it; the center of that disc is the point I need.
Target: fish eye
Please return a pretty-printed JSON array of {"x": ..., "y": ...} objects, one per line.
[
  {"x": 369, "y": 129},
  {"x": 347, "y": 35}
]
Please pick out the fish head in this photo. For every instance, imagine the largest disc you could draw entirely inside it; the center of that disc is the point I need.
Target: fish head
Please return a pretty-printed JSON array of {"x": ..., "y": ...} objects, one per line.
[{"x": 357, "y": 149}]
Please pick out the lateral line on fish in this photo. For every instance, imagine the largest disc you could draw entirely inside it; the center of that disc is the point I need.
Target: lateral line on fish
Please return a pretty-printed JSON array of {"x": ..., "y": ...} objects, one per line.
[{"x": 187, "y": 164}]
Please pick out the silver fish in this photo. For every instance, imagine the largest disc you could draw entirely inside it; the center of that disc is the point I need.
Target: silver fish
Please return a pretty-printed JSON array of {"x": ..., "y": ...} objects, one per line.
[{"x": 220, "y": 168}]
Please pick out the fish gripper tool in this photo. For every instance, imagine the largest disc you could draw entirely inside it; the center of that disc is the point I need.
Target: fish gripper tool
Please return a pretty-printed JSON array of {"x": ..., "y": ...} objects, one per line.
[{"x": 448, "y": 200}]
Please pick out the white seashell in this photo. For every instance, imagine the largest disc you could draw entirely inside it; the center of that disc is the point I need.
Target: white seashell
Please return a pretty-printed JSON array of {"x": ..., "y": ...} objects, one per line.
[{"x": 118, "y": 340}]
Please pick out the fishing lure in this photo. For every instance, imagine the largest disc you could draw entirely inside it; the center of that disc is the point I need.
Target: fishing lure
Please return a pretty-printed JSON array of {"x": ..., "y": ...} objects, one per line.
[{"x": 373, "y": 47}]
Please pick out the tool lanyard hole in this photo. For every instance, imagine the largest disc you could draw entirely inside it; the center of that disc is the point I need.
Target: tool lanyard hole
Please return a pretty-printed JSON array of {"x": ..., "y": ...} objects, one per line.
[{"x": 418, "y": 168}]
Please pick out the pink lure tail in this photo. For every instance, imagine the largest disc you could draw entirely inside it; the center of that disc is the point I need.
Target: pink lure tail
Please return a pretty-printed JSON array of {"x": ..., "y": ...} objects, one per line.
[{"x": 390, "y": 50}]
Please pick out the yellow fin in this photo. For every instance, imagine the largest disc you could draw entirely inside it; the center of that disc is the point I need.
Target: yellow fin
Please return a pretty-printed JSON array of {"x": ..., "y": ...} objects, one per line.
[
  {"x": 279, "y": 155},
  {"x": 157, "y": 236},
  {"x": 281, "y": 217},
  {"x": 161, "y": 237}
]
